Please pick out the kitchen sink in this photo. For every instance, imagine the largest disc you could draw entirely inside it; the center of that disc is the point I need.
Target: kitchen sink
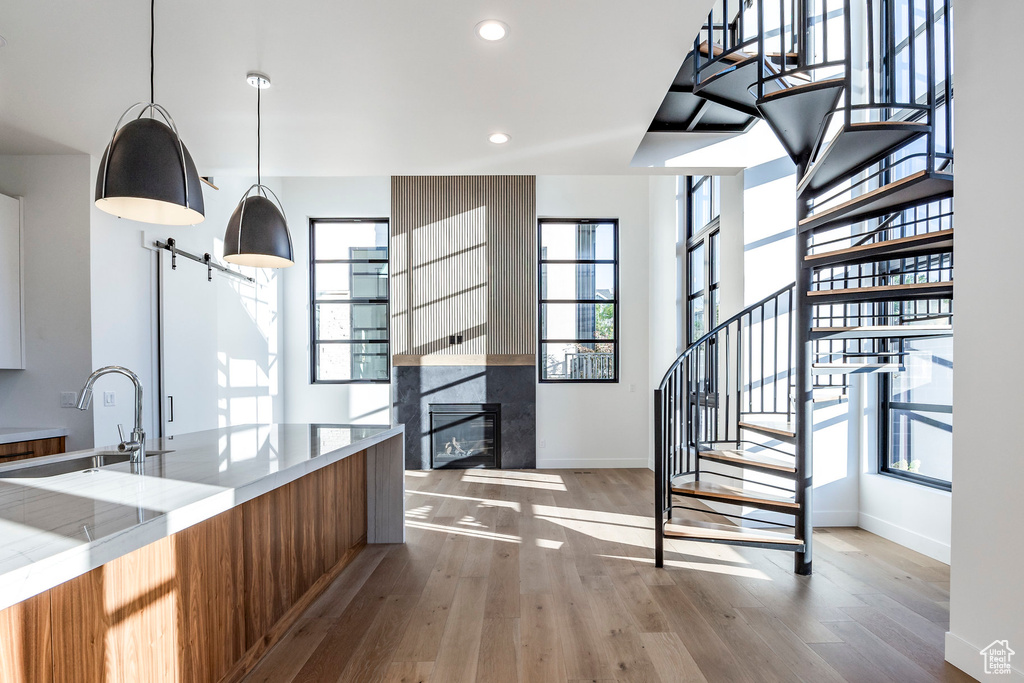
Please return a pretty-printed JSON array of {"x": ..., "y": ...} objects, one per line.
[{"x": 52, "y": 469}]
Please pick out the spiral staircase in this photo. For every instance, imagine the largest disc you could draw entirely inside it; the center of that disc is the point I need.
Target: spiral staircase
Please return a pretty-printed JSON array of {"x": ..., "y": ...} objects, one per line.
[{"x": 859, "y": 94}]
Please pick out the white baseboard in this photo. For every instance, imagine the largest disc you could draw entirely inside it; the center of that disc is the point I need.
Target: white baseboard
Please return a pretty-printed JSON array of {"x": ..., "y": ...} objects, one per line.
[
  {"x": 589, "y": 464},
  {"x": 934, "y": 549},
  {"x": 967, "y": 657},
  {"x": 836, "y": 518}
]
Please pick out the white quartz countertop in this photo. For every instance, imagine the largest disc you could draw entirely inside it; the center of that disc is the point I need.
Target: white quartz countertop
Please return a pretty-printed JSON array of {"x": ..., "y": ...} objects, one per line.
[
  {"x": 53, "y": 529},
  {"x": 16, "y": 434}
]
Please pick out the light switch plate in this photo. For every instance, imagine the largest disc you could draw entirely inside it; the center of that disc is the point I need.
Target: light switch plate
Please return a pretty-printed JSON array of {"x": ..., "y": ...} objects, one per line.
[
  {"x": 68, "y": 399},
  {"x": 109, "y": 399}
]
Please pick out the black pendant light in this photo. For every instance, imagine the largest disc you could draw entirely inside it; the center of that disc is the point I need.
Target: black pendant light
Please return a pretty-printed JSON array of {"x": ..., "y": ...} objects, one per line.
[
  {"x": 257, "y": 233},
  {"x": 146, "y": 173}
]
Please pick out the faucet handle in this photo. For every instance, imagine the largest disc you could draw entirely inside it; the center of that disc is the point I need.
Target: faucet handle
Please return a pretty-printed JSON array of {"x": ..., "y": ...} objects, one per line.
[{"x": 120, "y": 433}]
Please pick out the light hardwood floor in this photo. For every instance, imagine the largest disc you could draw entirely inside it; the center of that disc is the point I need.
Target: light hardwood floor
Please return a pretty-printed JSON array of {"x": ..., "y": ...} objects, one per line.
[{"x": 549, "y": 576}]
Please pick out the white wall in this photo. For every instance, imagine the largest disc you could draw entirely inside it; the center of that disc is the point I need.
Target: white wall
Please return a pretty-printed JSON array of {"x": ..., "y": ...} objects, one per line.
[
  {"x": 666, "y": 254},
  {"x": 604, "y": 425},
  {"x": 305, "y": 198},
  {"x": 237, "y": 326},
  {"x": 987, "y": 589},
  {"x": 56, "y": 191}
]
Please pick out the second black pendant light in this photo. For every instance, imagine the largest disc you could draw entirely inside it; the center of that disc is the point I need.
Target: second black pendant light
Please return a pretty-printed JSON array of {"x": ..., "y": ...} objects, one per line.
[{"x": 257, "y": 233}]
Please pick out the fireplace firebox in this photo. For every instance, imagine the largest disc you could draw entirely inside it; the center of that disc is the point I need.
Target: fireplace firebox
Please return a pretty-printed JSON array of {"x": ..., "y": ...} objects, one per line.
[{"x": 465, "y": 435}]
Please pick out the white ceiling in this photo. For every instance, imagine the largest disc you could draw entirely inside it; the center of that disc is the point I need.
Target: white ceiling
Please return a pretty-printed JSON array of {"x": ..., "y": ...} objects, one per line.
[{"x": 360, "y": 87}]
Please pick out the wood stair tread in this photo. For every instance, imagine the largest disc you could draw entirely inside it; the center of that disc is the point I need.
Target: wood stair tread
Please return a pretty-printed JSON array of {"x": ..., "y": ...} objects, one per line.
[
  {"x": 777, "y": 427},
  {"x": 708, "y": 531},
  {"x": 884, "y": 292},
  {"x": 732, "y": 494},
  {"x": 854, "y": 368},
  {"x": 744, "y": 457},
  {"x": 801, "y": 88},
  {"x": 880, "y": 331},
  {"x": 854, "y": 147},
  {"x": 913, "y": 189},
  {"x": 903, "y": 247}
]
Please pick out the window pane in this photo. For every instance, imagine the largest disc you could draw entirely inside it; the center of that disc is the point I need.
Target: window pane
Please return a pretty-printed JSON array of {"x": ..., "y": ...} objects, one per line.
[
  {"x": 350, "y": 240},
  {"x": 697, "y": 269},
  {"x": 577, "y": 321},
  {"x": 351, "y": 281},
  {"x": 714, "y": 308},
  {"x": 351, "y": 321},
  {"x": 578, "y": 361},
  {"x": 577, "y": 281},
  {"x": 573, "y": 241},
  {"x": 928, "y": 377},
  {"x": 716, "y": 257},
  {"x": 921, "y": 442},
  {"x": 697, "y": 328},
  {"x": 352, "y": 362}
]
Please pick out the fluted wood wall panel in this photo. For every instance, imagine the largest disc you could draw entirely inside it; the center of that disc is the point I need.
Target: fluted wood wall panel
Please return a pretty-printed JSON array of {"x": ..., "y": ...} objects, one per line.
[{"x": 464, "y": 258}]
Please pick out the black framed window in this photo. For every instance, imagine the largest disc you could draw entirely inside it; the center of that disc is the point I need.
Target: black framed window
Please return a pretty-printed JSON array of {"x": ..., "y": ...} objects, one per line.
[
  {"x": 349, "y": 302},
  {"x": 703, "y": 254},
  {"x": 916, "y": 432},
  {"x": 578, "y": 310}
]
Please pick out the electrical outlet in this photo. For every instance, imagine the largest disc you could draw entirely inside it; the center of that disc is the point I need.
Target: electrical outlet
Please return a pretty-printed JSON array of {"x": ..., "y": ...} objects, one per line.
[
  {"x": 543, "y": 443},
  {"x": 68, "y": 399},
  {"x": 632, "y": 388},
  {"x": 109, "y": 399}
]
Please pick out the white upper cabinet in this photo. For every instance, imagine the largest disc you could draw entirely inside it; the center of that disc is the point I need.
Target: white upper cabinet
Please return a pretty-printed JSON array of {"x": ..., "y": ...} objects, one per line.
[{"x": 12, "y": 286}]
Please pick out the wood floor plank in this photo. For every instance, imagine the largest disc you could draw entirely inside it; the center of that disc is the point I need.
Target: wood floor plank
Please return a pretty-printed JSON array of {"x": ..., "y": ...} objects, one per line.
[
  {"x": 582, "y": 656},
  {"x": 894, "y": 665},
  {"x": 794, "y": 652},
  {"x": 457, "y": 657},
  {"x": 337, "y": 597},
  {"x": 754, "y": 656},
  {"x": 671, "y": 660},
  {"x": 287, "y": 658},
  {"x": 346, "y": 632},
  {"x": 541, "y": 648},
  {"x": 499, "y": 651},
  {"x": 620, "y": 638},
  {"x": 422, "y": 637},
  {"x": 381, "y": 639},
  {"x": 408, "y": 672},
  {"x": 503, "y": 582},
  {"x": 716, "y": 660}
]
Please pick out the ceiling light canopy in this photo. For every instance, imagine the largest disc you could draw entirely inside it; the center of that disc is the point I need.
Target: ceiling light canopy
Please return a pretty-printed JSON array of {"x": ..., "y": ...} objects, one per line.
[
  {"x": 257, "y": 233},
  {"x": 499, "y": 138},
  {"x": 492, "y": 30},
  {"x": 146, "y": 173}
]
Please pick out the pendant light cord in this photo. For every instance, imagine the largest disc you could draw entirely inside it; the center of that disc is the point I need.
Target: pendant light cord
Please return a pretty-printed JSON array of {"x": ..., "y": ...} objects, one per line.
[
  {"x": 152, "y": 40},
  {"x": 259, "y": 139}
]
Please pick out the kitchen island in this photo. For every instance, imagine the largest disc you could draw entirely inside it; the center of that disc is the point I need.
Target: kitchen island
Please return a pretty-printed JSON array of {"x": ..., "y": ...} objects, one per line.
[{"x": 192, "y": 566}]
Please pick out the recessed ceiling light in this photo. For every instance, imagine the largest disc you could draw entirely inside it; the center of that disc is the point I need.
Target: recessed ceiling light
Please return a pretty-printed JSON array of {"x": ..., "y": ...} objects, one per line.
[
  {"x": 258, "y": 79},
  {"x": 492, "y": 29},
  {"x": 499, "y": 138}
]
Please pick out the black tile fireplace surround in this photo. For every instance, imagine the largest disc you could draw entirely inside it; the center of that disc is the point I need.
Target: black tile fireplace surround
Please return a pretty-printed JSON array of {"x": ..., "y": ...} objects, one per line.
[{"x": 513, "y": 388}]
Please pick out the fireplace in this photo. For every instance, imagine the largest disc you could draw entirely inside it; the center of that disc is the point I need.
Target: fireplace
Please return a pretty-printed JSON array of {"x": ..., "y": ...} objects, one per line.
[{"x": 465, "y": 435}]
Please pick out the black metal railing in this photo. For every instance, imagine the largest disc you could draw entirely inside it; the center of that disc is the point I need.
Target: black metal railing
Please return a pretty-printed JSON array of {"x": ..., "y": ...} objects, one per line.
[
  {"x": 742, "y": 366},
  {"x": 732, "y": 28}
]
